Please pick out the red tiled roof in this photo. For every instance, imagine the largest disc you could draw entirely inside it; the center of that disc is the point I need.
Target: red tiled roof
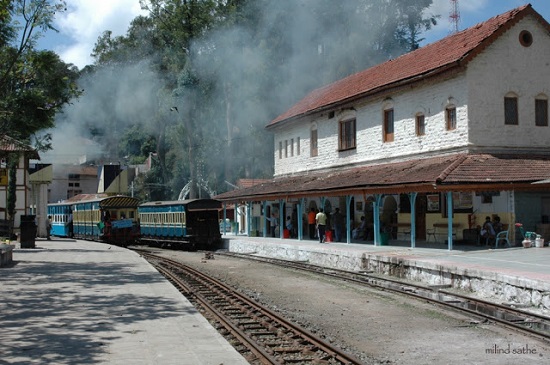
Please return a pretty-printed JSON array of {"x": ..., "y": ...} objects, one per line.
[
  {"x": 444, "y": 173},
  {"x": 450, "y": 52},
  {"x": 8, "y": 144},
  {"x": 246, "y": 183}
]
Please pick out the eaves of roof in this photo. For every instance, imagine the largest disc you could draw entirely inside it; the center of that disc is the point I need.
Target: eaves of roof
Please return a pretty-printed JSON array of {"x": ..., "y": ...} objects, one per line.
[
  {"x": 454, "y": 51},
  {"x": 457, "y": 172},
  {"x": 8, "y": 144}
]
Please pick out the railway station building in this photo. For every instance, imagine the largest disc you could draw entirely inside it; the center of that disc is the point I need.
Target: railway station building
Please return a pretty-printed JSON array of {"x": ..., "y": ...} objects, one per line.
[{"x": 424, "y": 146}]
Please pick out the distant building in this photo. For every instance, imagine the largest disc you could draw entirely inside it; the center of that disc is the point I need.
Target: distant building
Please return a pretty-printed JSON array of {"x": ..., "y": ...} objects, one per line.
[
  {"x": 10, "y": 146},
  {"x": 71, "y": 180}
]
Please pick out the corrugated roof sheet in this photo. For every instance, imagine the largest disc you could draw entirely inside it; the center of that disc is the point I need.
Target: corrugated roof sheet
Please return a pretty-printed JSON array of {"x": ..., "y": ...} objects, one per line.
[{"x": 450, "y": 52}]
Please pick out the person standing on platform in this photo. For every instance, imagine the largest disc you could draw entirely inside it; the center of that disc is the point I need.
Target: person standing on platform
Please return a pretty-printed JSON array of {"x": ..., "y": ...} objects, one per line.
[
  {"x": 311, "y": 223},
  {"x": 273, "y": 224},
  {"x": 48, "y": 227},
  {"x": 321, "y": 221},
  {"x": 338, "y": 224},
  {"x": 294, "y": 222}
]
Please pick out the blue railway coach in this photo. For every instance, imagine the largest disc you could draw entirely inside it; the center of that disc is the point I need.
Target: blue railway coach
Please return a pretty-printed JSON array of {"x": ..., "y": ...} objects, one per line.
[
  {"x": 60, "y": 219},
  {"x": 181, "y": 224},
  {"x": 111, "y": 219}
]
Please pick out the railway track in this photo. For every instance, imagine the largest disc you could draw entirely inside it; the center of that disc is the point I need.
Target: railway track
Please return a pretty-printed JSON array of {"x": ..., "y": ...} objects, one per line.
[
  {"x": 531, "y": 324},
  {"x": 260, "y": 335}
]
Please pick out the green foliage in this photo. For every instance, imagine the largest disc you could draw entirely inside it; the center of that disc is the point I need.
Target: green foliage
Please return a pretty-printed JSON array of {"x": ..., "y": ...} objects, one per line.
[
  {"x": 225, "y": 68},
  {"x": 34, "y": 85}
]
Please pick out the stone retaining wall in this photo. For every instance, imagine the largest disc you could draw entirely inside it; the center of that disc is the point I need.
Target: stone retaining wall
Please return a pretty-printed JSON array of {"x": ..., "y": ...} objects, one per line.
[{"x": 486, "y": 285}]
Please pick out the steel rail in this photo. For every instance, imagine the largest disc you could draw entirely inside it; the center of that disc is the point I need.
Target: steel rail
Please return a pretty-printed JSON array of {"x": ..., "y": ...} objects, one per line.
[
  {"x": 314, "y": 341},
  {"x": 505, "y": 315},
  {"x": 262, "y": 356}
]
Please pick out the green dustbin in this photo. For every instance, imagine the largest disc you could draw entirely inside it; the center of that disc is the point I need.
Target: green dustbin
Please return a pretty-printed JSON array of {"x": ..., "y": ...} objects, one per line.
[{"x": 384, "y": 238}]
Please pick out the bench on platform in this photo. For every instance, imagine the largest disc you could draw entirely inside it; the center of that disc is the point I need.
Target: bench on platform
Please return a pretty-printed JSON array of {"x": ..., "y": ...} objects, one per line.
[{"x": 403, "y": 229}]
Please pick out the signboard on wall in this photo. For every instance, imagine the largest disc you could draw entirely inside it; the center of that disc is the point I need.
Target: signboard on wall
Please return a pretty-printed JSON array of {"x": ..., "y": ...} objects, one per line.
[{"x": 463, "y": 200}]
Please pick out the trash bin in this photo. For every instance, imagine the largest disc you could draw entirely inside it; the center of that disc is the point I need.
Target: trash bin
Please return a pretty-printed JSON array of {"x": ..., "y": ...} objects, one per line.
[
  {"x": 28, "y": 231},
  {"x": 328, "y": 236},
  {"x": 384, "y": 238}
]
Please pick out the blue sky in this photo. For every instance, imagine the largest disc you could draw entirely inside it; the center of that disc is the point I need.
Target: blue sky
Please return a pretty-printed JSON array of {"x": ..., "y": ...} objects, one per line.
[
  {"x": 85, "y": 21},
  {"x": 473, "y": 12}
]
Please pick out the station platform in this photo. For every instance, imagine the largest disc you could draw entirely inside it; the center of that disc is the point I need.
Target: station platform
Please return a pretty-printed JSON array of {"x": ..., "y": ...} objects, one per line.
[
  {"x": 80, "y": 302},
  {"x": 516, "y": 275}
]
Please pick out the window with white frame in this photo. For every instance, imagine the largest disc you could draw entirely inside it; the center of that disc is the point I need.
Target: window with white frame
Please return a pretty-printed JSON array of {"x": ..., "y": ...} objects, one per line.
[
  {"x": 420, "y": 124},
  {"x": 346, "y": 138},
  {"x": 450, "y": 117},
  {"x": 313, "y": 139},
  {"x": 388, "y": 125}
]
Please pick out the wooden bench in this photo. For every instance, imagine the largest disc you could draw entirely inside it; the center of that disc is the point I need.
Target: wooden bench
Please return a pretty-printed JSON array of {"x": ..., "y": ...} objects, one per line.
[
  {"x": 403, "y": 229},
  {"x": 440, "y": 229}
]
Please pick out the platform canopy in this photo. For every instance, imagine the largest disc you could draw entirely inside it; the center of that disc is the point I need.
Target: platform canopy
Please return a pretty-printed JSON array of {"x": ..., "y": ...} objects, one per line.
[{"x": 453, "y": 172}]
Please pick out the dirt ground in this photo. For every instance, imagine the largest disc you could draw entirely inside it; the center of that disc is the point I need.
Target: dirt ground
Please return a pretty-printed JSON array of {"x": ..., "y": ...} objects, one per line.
[{"x": 375, "y": 326}]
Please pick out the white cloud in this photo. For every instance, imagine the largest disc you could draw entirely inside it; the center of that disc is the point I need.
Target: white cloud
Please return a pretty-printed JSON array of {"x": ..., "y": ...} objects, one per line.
[{"x": 85, "y": 20}]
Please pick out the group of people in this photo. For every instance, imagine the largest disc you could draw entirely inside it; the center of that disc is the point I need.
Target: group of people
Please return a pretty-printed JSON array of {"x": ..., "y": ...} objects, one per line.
[
  {"x": 490, "y": 229},
  {"x": 319, "y": 223}
]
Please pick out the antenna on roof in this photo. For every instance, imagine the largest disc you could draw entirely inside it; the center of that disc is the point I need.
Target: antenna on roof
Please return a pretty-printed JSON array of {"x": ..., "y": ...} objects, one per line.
[{"x": 454, "y": 16}]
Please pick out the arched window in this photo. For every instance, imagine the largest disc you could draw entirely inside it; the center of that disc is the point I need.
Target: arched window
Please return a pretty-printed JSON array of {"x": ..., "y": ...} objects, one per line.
[
  {"x": 388, "y": 122},
  {"x": 541, "y": 110},
  {"x": 314, "y": 141},
  {"x": 450, "y": 114},
  {"x": 420, "y": 124},
  {"x": 511, "y": 116},
  {"x": 346, "y": 134}
]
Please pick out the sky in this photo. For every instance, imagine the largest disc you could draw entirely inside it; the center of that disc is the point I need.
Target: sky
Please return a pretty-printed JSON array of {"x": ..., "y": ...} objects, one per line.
[{"x": 85, "y": 20}]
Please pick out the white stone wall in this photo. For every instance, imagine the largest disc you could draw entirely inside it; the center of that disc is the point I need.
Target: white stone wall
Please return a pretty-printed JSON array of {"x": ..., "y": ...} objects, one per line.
[
  {"x": 478, "y": 95},
  {"x": 507, "y": 66},
  {"x": 431, "y": 100}
]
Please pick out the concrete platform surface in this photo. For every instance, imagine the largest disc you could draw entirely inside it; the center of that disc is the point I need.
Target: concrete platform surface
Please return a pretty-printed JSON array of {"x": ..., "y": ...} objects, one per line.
[{"x": 78, "y": 302}]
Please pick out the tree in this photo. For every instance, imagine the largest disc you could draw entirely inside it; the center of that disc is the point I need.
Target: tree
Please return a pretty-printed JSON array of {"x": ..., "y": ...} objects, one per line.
[
  {"x": 230, "y": 66},
  {"x": 34, "y": 85}
]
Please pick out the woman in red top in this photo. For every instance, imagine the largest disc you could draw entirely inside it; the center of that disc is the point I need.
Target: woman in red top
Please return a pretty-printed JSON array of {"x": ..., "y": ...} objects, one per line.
[{"x": 311, "y": 223}]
